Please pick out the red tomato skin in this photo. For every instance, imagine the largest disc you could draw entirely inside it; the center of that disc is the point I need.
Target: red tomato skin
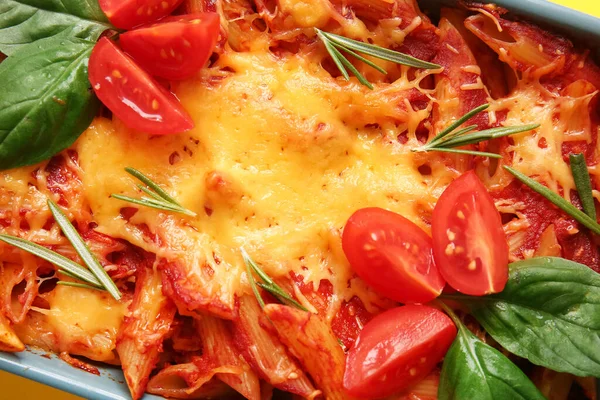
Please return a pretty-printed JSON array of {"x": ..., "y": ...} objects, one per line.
[
  {"x": 396, "y": 349},
  {"x": 127, "y": 14},
  {"x": 176, "y": 48},
  {"x": 470, "y": 247},
  {"x": 132, "y": 95},
  {"x": 392, "y": 255}
]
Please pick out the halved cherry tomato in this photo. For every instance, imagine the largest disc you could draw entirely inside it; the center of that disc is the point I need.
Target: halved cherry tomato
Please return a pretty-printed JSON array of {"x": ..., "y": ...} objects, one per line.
[
  {"x": 393, "y": 255},
  {"x": 175, "y": 48},
  {"x": 396, "y": 349},
  {"x": 132, "y": 95},
  {"x": 469, "y": 244},
  {"x": 127, "y": 14}
]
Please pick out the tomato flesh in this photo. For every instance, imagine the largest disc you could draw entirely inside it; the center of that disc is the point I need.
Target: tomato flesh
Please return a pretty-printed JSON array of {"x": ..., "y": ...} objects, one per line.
[
  {"x": 469, "y": 244},
  {"x": 396, "y": 349},
  {"x": 127, "y": 14},
  {"x": 392, "y": 255},
  {"x": 132, "y": 95},
  {"x": 176, "y": 48}
]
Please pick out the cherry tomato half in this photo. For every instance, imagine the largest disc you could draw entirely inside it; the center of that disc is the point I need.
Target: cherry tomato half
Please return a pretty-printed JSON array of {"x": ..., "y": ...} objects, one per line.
[
  {"x": 469, "y": 244},
  {"x": 393, "y": 255},
  {"x": 396, "y": 349},
  {"x": 127, "y": 14},
  {"x": 175, "y": 48},
  {"x": 132, "y": 95}
]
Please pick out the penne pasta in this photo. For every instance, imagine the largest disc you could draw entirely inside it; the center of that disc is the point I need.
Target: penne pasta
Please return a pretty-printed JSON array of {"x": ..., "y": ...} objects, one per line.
[
  {"x": 491, "y": 68},
  {"x": 254, "y": 339},
  {"x": 194, "y": 380},
  {"x": 218, "y": 347},
  {"x": 9, "y": 341},
  {"x": 311, "y": 340},
  {"x": 140, "y": 339},
  {"x": 459, "y": 86}
]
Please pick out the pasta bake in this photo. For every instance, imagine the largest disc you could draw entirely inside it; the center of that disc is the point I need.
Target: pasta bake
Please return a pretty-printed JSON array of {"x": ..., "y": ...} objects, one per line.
[{"x": 234, "y": 275}]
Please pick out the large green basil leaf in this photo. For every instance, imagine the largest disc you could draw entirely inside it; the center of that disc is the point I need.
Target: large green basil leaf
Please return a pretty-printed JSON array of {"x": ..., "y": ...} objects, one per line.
[
  {"x": 46, "y": 100},
  {"x": 25, "y": 21},
  {"x": 475, "y": 370},
  {"x": 549, "y": 313}
]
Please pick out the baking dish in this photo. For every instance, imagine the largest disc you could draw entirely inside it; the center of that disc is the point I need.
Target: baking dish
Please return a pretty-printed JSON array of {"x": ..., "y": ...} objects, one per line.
[{"x": 49, "y": 370}]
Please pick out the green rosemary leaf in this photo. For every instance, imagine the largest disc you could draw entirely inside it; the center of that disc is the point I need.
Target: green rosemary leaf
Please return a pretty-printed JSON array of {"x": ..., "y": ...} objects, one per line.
[
  {"x": 332, "y": 53},
  {"x": 249, "y": 267},
  {"x": 79, "y": 285},
  {"x": 487, "y": 134},
  {"x": 70, "y": 267},
  {"x": 451, "y": 135},
  {"x": 84, "y": 252},
  {"x": 449, "y": 138},
  {"x": 159, "y": 198},
  {"x": 378, "y": 52},
  {"x": 152, "y": 185},
  {"x": 460, "y": 121},
  {"x": 151, "y": 193},
  {"x": 67, "y": 273},
  {"x": 557, "y": 200},
  {"x": 465, "y": 151},
  {"x": 361, "y": 58},
  {"x": 154, "y": 204},
  {"x": 281, "y": 295},
  {"x": 347, "y": 64},
  {"x": 581, "y": 176},
  {"x": 267, "y": 284}
]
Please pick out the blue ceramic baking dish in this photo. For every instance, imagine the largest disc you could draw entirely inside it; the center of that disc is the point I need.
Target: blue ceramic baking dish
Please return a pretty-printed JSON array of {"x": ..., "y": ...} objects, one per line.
[{"x": 110, "y": 385}]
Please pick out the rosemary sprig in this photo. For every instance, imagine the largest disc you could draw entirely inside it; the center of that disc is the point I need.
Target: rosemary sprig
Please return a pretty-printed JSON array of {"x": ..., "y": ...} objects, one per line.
[
  {"x": 78, "y": 285},
  {"x": 334, "y": 43},
  {"x": 84, "y": 252},
  {"x": 67, "y": 267},
  {"x": 581, "y": 176},
  {"x": 557, "y": 200},
  {"x": 267, "y": 284},
  {"x": 158, "y": 199},
  {"x": 450, "y": 138}
]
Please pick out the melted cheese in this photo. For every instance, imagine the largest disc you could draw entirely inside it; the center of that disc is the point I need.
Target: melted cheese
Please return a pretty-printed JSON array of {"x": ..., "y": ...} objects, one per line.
[
  {"x": 561, "y": 118},
  {"x": 77, "y": 313},
  {"x": 281, "y": 157},
  {"x": 77, "y": 321}
]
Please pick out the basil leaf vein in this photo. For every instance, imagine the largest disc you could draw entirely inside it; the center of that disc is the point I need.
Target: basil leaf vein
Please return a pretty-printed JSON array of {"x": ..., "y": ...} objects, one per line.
[
  {"x": 548, "y": 313},
  {"x": 46, "y": 100},
  {"x": 25, "y": 21}
]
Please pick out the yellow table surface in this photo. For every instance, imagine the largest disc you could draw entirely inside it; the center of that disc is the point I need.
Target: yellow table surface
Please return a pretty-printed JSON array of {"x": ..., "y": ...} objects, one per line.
[{"x": 15, "y": 387}]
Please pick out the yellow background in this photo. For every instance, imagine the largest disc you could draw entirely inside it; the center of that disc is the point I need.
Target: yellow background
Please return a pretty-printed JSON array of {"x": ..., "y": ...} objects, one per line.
[{"x": 14, "y": 387}]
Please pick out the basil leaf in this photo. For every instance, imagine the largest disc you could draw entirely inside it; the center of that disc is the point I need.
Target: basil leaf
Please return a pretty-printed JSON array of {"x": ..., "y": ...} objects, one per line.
[
  {"x": 25, "y": 21},
  {"x": 548, "y": 313},
  {"x": 46, "y": 100},
  {"x": 475, "y": 370}
]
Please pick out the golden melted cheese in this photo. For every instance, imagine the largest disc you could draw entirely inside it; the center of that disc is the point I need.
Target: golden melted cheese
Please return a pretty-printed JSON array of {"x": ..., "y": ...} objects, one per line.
[
  {"x": 77, "y": 313},
  {"x": 561, "y": 118},
  {"x": 280, "y": 156},
  {"x": 77, "y": 321}
]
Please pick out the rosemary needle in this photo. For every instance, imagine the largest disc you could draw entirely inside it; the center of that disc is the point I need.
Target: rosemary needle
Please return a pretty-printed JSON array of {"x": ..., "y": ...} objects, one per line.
[
  {"x": 581, "y": 176},
  {"x": 267, "y": 284},
  {"x": 158, "y": 199},
  {"x": 451, "y": 137},
  {"x": 335, "y": 44},
  {"x": 557, "y": 200},
  {"x": 83, "y": 251}
]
